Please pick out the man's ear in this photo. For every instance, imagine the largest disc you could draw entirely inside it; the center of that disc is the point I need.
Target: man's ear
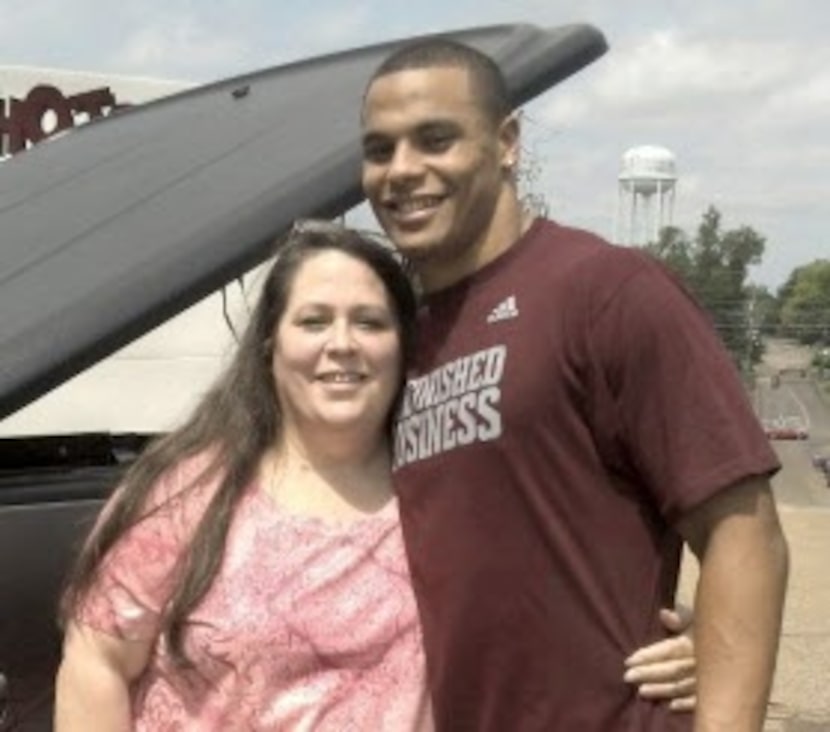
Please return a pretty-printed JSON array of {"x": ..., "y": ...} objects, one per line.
[{"x": 508, "y": 135}]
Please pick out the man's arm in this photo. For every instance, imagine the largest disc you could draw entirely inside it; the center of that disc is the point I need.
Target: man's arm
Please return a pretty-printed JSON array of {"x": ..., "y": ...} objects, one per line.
[{"x": 743, "y": 557}]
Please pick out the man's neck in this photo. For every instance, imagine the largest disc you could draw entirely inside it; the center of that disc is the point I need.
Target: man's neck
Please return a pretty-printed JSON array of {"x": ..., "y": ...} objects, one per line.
[{"x": 510, "y": 224}]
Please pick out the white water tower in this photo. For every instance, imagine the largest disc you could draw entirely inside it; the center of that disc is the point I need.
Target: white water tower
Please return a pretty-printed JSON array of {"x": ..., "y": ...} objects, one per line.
[{"x": 645, "y": 201}]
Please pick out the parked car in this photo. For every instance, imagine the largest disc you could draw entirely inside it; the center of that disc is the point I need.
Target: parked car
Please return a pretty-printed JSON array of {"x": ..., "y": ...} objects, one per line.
[
  {"x": 788, "y": 428},
  {"x": 117, "y": 226}
]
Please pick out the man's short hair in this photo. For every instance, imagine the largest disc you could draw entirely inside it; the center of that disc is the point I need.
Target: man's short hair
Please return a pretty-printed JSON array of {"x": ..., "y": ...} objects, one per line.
[{"x": 489, "y": 85}]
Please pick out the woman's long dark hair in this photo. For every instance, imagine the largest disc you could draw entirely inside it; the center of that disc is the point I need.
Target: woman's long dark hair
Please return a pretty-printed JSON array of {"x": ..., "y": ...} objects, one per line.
[{"x": 235, "y": 423}]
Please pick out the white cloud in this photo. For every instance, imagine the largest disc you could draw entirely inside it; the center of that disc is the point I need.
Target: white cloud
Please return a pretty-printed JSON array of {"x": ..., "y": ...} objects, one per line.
[
  {"x": 179, "y": 44},
  {"x": 805, "y": 99},
  {"x": 338, "y": 27},
  {"x": 666, "y": 72},
  {"x": 566, "y": 110}
]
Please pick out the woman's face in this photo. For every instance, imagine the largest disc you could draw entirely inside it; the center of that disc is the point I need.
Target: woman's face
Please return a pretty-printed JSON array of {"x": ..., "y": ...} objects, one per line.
[{"x": 337, "y": 350}]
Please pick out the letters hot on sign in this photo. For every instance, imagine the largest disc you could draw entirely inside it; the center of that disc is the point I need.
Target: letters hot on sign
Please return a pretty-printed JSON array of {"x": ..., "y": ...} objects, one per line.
[{"x": 23, "y": 122}]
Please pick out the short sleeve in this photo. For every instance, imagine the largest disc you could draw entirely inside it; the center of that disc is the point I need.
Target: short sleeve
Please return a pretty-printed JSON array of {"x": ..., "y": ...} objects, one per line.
[
  {"x": 137, "y": 575},
  {"x": 684, "y": 418}
]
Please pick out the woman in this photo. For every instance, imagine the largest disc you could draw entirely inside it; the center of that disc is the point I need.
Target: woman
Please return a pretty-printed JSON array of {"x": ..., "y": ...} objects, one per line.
[{"x": 250, "y": 573}]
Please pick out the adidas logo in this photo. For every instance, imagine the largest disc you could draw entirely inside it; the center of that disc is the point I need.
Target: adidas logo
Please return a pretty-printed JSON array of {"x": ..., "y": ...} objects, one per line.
[{"x": 505, "y": 310}]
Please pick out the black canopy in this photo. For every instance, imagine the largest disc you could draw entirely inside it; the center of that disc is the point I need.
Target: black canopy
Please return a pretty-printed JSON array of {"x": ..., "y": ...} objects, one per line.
[{"x": 112, "y": 228}]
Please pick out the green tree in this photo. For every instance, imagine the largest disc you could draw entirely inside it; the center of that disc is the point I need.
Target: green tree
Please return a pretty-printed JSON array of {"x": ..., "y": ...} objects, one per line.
[
  {"x": 715, "y": 265},
  {"x": 674, "y": 248},
  {"x": 805, "y": 304},
  {"x": 765, "y": 308}
]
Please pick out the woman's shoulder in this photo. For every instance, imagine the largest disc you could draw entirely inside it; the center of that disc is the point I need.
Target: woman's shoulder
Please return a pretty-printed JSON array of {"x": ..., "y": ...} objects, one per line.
[{"x": 187, "y": 484}]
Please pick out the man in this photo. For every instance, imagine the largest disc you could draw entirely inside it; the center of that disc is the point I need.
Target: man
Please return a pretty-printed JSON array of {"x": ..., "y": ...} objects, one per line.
[{"x": 570, "y": 419}]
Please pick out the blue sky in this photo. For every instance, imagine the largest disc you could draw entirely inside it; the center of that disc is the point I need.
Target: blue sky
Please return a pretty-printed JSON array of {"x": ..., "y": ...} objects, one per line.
[{"x": 739, "y": 90}]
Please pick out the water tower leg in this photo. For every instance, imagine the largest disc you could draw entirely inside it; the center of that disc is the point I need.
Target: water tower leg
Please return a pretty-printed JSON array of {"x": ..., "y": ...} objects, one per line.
[
  {"x": 671, "y": 206},
  {"x": 659, "y": 219}
]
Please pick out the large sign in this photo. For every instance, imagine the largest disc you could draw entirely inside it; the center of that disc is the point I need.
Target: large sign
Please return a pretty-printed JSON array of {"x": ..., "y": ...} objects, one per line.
[{"x": 45, "y": 111}]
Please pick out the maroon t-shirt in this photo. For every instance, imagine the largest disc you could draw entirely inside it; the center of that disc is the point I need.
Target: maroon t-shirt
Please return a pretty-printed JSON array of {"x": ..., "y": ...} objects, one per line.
[{"x": 569, "y": 403}]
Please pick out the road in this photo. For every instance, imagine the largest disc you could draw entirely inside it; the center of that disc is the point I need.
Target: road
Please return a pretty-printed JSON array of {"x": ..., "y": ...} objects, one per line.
[
  {"x": 799, "y": 483},
  {"x": 786, "y": 391}
]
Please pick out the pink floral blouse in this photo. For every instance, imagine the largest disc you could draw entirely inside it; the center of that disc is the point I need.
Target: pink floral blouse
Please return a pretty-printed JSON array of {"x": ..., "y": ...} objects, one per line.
[{"x": 310, "y": 624}]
